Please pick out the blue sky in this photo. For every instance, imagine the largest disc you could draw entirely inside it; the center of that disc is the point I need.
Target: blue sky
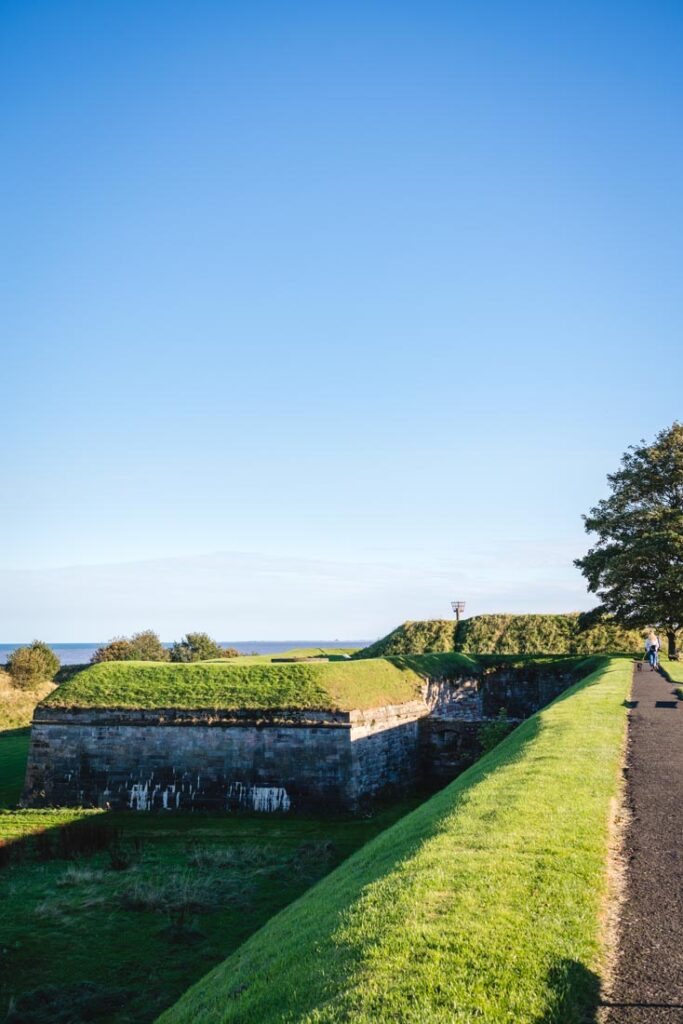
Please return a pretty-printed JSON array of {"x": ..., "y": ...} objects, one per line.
[{"x": 315, "y": 316}]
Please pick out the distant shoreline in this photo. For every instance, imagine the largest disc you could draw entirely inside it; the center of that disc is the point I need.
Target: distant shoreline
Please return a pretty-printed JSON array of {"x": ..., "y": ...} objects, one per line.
[{"x": 79, "y": 653}]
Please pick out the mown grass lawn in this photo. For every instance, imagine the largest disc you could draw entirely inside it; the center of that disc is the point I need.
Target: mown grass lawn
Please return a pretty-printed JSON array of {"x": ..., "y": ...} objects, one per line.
[
  {"x": 338, "y": 685},
  {"x": 483, "y": 905}
]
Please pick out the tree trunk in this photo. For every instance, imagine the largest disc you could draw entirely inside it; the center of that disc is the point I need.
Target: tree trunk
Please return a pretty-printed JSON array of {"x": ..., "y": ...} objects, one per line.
[{"x": 671, "y": 637}]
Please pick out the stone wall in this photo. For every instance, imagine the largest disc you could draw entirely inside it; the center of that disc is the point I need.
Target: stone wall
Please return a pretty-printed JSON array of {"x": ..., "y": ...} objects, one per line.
[
  {"x": 384, "y": 749},
  {"x": 449, "y": 736},
  {"x": 172, "y": 759},
  {"x": 269, "y": 761}
]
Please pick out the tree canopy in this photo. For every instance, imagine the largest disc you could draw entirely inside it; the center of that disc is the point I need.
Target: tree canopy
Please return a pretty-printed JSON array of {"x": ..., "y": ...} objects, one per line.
[{"x": 636, "y": 565}]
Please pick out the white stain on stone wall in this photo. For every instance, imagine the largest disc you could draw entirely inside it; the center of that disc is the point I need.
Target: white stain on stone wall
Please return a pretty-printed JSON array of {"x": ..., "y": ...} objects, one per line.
[
  {"x": 258, "y": 798},
  {"x": 138, "y": 798}
]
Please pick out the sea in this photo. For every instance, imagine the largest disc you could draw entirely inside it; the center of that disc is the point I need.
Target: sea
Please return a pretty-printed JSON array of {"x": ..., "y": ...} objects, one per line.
[{"x": 79, "y": 654}]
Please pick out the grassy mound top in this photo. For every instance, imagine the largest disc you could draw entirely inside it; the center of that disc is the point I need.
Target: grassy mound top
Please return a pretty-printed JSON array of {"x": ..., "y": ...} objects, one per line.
[
  {"x": 508, "y": 634},
  {"x": 333, "y": 686},
  {"x": 333, "y": 653},
  {"x": 483, "y": 904}
]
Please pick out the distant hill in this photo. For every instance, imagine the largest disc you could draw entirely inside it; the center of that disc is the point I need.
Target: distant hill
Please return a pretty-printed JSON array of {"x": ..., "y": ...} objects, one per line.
[{"x": 508, "y": 634}]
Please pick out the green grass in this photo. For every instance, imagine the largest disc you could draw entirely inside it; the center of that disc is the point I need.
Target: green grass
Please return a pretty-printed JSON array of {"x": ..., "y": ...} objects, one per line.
[
  {"x": 13, "y": 754},
  {"x": 16, "y": 826},
  {"x": 339, "y": 685},
  {"x": 17, "y": 706},
  {"x": 508, "y": 634},
  {"x": 481, "y": 905},
  {"x": 336, "y": 653},
  {"x": 673, "y": 670},
  {"x": 16, "y": 712},
  {"x": 196, "y": 888}
]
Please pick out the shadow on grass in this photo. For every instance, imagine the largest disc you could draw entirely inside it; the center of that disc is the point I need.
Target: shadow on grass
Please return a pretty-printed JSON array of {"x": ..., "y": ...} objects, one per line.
[
  {"x": 576, "y": 991},
  {"x": 24, "y": 730},
  {"x": 57, "y": 840}
]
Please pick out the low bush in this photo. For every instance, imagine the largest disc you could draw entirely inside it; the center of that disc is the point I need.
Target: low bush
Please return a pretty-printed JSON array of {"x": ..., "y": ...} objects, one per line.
[
  {"x": 32, "y": 666},
  {"x": 144, "y": 646},
  {"x": 200, "y": 647}
]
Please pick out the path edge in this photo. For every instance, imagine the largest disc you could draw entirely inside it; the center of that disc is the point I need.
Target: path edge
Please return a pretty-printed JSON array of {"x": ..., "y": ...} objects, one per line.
[{"x": 616, "y": 867}]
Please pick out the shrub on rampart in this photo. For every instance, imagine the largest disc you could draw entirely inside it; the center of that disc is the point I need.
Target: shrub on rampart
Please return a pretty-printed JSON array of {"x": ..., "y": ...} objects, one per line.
[
  {"x": 200, "y": 647},
  {"x": 143, "y": 646},
  {"x": 31, "y": 666}
]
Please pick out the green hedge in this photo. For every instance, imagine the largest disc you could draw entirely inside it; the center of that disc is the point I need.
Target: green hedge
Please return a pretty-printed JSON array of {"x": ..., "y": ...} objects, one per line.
[{"x": 508, "y": 634}]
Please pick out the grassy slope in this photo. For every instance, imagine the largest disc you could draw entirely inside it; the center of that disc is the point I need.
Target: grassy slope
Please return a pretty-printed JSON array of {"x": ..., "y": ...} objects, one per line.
[
  {"x": 483, "y": 904},
  {"x": 340, "y": 685},
  {"x": 16, "y": 706},
  {"x": 16, "y": 712},
  {"x": 538, "y": 634},
  {"x": 507, "y": 634},
  {"x": 415, "y": 638}
]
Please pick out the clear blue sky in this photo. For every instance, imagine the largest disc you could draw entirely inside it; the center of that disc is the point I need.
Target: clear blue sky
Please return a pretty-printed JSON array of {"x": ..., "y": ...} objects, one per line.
[{"x": 316, "y": 315}]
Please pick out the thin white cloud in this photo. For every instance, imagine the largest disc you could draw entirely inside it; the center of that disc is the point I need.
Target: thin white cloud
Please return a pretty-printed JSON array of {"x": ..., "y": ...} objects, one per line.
[{"x": 241, "y": 596}]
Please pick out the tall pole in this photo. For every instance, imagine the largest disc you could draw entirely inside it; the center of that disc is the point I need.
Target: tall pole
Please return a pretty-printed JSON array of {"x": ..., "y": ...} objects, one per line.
[{"x": 458, "y": 607}]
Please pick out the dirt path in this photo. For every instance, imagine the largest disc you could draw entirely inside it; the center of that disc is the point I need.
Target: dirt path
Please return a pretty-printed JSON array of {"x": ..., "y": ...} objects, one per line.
[{"x": 648, "y": 987}]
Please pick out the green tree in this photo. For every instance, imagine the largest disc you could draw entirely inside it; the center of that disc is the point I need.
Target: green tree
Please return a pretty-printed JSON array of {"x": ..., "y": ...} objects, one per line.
[
  {"x": 199, "y": 647},
  {"x": 30, "y": 666},
  {"x": 143, "y": 646},
  {"x": 636, "y": 565},
  {"x": 148, "y": 647},
  {"x": 118, "y": 649}
]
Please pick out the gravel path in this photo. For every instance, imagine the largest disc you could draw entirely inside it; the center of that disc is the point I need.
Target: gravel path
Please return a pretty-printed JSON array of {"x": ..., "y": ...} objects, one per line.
[{"x": 649, "y": 972}]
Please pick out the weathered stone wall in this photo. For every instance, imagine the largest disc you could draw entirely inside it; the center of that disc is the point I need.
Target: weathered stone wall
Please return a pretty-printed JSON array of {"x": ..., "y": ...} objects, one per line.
[
  {"x": 384, "y": 749},
  {"x": 449, "y": 736},
  {"x": 447, "y": 747},
  {"x": 144, "y": 760},
  {"x": 269, "y": 761},
  {"x": 521, "y": 692}
]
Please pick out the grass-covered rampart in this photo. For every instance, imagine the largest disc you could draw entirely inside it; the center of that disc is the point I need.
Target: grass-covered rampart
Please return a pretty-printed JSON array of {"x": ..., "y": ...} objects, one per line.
[
  {"x": 508, "y": 634},
  {"x": 337, "y": 686},
  {"x": 483, "y": 904}
]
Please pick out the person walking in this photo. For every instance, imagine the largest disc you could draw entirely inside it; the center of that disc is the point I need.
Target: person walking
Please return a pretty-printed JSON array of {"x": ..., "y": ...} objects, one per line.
[{"x": 652, "y": 649}]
